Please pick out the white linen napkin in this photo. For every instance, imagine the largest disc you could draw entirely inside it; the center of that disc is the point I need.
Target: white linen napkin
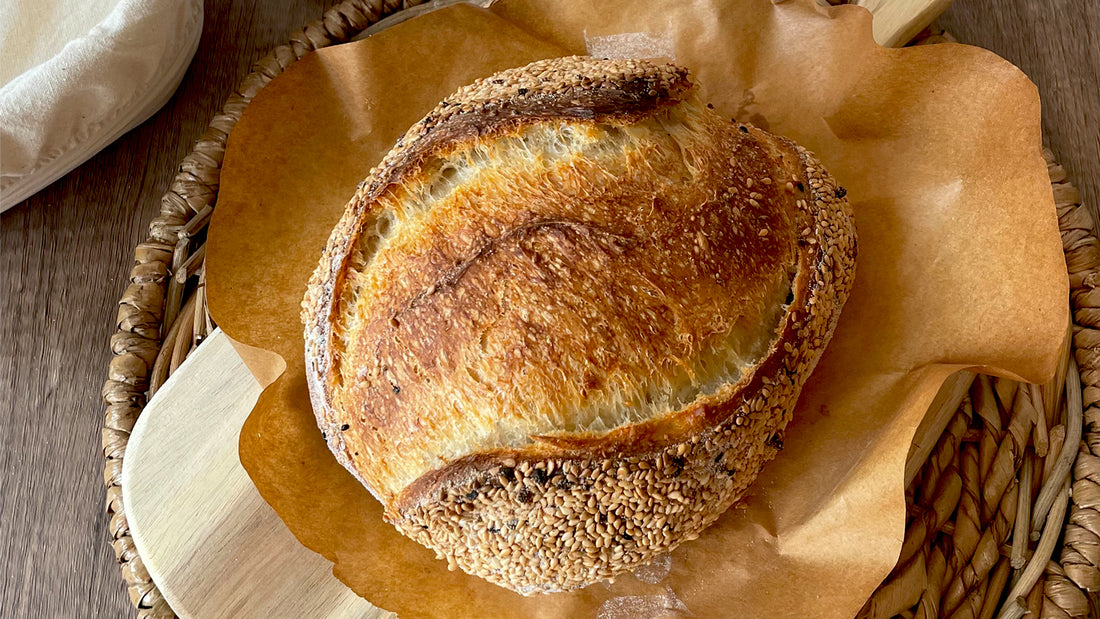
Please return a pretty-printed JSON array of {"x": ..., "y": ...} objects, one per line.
[{"x": 77, "y": 74}]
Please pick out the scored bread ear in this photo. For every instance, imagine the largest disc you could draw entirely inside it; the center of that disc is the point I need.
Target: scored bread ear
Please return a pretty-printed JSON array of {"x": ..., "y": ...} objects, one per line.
[{"x": 561, "y": 327}]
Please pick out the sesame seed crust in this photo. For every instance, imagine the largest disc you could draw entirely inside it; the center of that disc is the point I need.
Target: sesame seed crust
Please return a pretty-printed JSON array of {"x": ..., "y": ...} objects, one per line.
[
  {"x": 545, "y": 524},
  {"x": 572, "y": 510}
]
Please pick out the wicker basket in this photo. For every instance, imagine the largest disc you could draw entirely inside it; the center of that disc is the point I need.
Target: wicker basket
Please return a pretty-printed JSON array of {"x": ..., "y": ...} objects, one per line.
[{"x": 1004, "y": 504}]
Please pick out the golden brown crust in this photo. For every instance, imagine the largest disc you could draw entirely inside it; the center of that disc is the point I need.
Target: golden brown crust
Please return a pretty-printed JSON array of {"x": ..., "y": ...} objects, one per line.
[
  {"x": 392, "y": 335},
  {"x": 549, "y": 89}
]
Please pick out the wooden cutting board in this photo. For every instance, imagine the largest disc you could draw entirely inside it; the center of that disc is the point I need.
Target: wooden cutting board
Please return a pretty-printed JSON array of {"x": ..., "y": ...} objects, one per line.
[{"x": 209, "y": 541}]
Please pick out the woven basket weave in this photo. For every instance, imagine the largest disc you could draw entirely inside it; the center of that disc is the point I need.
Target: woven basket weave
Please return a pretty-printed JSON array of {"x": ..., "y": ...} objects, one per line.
[{"x": 1004, "y": 507}]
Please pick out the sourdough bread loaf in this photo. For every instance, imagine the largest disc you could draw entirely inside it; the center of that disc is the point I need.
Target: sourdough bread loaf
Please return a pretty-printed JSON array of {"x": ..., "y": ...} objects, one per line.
[{"x": 562, "y": 326}]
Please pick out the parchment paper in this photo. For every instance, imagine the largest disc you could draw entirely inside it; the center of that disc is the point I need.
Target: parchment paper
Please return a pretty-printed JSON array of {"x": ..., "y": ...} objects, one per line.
[{"x": 960, "y": 265}]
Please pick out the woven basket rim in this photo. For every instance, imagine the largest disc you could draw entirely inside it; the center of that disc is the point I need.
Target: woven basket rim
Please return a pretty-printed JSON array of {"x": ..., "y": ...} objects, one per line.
[{"x": 154, "y": 305}]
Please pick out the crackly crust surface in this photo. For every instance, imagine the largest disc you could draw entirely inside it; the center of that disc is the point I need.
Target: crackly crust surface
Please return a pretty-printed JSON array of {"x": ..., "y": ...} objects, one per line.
[{"x": 561, "y": 326}]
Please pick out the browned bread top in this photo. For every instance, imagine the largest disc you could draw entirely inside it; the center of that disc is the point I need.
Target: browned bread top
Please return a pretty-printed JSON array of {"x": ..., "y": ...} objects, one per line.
[{"x": 570, "y": 261}]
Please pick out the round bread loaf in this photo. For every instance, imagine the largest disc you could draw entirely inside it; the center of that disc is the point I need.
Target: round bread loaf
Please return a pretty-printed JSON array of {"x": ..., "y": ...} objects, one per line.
[{"x": 561, "y": 327}]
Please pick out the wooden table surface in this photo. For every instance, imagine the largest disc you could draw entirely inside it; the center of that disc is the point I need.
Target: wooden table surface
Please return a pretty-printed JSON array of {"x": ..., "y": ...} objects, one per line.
[{"x": 65, "y": 254}]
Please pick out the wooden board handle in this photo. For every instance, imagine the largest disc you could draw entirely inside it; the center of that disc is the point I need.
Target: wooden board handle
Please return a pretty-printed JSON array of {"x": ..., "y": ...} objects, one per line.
[{"x": 898, "y": 21}]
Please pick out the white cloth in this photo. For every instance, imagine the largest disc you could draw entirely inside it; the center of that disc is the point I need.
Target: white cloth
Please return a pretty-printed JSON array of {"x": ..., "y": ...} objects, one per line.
[{"x": 77, "y": 74}]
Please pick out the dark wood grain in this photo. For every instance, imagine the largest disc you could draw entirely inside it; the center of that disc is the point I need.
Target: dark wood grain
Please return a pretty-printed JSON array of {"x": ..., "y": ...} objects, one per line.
[
  {"x": 64, "y": 258},
  {"x": 65, "y": 254}
]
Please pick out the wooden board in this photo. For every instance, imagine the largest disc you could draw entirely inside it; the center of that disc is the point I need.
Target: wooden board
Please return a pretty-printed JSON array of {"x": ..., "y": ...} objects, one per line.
[
  {"x": 898, "y": 21},
  {"x": 211, "y": 543}
]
